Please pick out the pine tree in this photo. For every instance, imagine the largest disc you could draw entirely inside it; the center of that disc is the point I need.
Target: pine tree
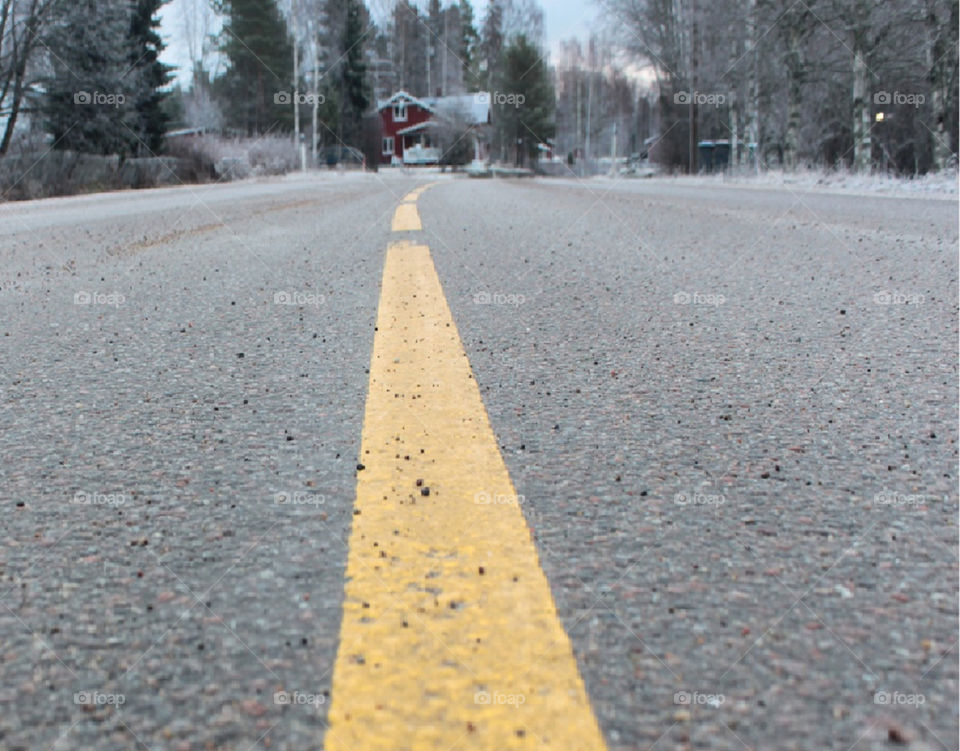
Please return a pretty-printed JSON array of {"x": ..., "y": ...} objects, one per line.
[
  {"x": 256, "y": 86},
  {"x": 410, "y": 48},
  {"x": 355, "y": 88},
  {"x": 89, "y": 103},
  {"x": 527, "y": 119},
  {"x": 434, "y": 40},
  {"x": 491, "y": 43},
  {"x": 468, "y": 42},
  {"x": 149, "y": 76}
]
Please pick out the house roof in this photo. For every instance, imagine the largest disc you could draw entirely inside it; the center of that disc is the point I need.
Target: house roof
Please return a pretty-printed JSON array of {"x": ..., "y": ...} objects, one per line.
[
  {"x": 403, "y": 96},
  {"x": 474, "y": 107},
  {"x": 418, "y": 127}
]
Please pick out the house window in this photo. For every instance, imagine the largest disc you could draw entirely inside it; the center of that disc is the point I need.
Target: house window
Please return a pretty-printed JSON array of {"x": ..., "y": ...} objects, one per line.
[
  {"x": 388, "y": 145},
  {"x": 400, "y": 112}
]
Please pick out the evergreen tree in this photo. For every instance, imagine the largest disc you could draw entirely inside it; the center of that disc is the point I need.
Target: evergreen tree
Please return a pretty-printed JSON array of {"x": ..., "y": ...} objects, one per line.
[
  {"x": 491, "y": 43},
  {"x": 355, "y": 87},
  {"x": 410, "y": 48},
  {"x": 260, "y": 71},
  {"x": 149, "y": 76},
  {"x": 526, "y": 118},
  {"x": 468, "y": 42},
  {"x": 434, "y": 41},
  {"x": 89, "y": 106}
]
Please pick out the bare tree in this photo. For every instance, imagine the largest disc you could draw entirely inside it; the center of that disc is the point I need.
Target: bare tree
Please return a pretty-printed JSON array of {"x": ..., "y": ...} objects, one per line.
[
  {"x": 22, "y": 25},
  {"x": 803, "y": 79}
]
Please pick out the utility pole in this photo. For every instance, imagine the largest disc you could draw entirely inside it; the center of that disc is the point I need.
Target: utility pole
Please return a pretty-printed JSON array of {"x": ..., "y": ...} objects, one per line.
[
  {"x": 577, "y": 142},
  {"x": 296, "y": 84},
  {"x": 613, "y": 151},
  {"x": 752, "y": 128},
  {"x": 586, "y": 152},
  {"x": 429, "y": 77},
  {"x": 316, "y": 98},
  {"x": 443, "y": 51}
]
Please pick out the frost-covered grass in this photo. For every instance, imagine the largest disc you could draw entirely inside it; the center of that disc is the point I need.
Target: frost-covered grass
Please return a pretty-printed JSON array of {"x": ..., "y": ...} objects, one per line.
[{"x": 938, "y": 183}]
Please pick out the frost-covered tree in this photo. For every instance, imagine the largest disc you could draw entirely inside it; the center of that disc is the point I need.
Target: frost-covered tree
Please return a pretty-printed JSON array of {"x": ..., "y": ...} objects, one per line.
[
  {"x": 149, "y": 77},
  {"x": 90, "y": 102}
]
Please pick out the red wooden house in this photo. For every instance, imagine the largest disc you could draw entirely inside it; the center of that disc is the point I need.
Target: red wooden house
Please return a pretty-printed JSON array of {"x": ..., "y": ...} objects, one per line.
[{"x": 409, "y": 125}]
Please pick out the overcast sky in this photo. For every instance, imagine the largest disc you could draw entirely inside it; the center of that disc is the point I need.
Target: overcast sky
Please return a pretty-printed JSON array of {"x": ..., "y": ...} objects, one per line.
[{"x": 565, "y": 19}]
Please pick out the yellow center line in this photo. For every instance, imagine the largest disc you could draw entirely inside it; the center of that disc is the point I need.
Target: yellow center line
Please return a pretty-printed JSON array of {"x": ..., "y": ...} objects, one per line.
[
  {"x": 406, "y": 218},
  {"x": 414, "y": 194},
  {"x": 450, "y": 636}
]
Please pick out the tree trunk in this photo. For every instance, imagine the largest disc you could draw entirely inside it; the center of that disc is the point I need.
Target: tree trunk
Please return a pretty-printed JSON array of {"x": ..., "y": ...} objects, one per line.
[
  {"x": 29, "y": 39},
  {"x": 14, "y": 112},
  {"x": 315, "y": 90},
  {"x": 795, "y": 62},
  {"x": 695, "y": 82},
  {"x": 296, "y": 89},
  {"x": 937, "y": 79},
  {"x": 861, "y": 106},
  {"x": 15, "y": 105},
  {"x": 752, "y": 105},
  {"x": 734, "y": 131}
]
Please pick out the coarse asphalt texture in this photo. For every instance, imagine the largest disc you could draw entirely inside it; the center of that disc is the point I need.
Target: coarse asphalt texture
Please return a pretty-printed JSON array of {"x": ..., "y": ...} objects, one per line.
[{"x": 730, "y": 415}]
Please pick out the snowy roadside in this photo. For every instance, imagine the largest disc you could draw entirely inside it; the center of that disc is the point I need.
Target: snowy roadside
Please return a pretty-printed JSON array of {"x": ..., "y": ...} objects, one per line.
[{"x": 936, "y": 186}]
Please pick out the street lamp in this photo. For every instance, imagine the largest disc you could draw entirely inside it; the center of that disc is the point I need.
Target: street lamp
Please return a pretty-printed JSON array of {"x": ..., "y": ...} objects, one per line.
[{"x": 882, "y": 118}]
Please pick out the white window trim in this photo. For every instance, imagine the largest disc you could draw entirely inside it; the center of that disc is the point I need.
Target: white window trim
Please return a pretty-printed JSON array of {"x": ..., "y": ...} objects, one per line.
[
  {"x": 384, "y": 150},
  {"x": 400, "y": 112}
]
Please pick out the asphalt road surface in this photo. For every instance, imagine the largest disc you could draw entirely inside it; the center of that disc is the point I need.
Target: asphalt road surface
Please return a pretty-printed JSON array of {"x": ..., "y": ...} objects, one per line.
[{"x": 723, "y": 512}]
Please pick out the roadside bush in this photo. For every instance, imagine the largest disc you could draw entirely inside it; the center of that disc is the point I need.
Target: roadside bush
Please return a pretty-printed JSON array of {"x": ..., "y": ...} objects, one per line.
[
  {"x": 39, "y": 174},
  {"x": 197, "y": 158},
  {"x": 273, "y": 156},
  {"x": 34, "y": 171}
]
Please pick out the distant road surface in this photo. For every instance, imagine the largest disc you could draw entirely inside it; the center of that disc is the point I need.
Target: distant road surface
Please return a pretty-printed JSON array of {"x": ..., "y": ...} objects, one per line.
[{"x": 694, "y": 485}]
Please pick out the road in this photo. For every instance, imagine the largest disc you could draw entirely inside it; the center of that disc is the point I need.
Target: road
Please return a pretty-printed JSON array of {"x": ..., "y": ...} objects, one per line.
[{"x": 694, "y": 484}]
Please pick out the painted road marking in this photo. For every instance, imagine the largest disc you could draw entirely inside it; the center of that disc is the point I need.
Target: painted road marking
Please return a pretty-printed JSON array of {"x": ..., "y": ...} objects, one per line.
[
  {"x": 414, "y": 194},
  {"x": 406, "y": 218},
  {"x": 450, "y": 637}
]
